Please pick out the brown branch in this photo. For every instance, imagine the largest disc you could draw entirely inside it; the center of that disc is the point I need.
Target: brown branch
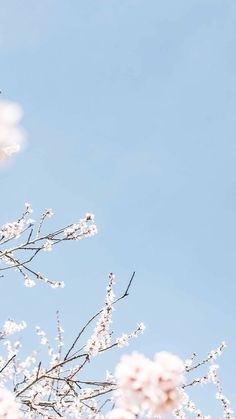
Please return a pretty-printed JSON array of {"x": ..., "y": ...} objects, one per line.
[{"x": 8, "y": 362}]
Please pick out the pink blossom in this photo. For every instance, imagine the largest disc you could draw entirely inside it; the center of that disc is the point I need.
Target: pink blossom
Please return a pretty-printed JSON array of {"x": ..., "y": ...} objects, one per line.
[
  {"x": 134, "y": 377},
  {"x": 167, "y": 376},
  {"x": 152, "y": 387}
]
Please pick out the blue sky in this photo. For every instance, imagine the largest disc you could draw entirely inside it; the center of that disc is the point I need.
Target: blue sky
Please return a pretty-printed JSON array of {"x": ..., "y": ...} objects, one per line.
[{"x": 130, "y": 113}]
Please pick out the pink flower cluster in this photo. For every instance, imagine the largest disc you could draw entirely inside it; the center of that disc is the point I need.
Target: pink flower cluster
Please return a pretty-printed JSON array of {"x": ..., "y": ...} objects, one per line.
[{"x": 149, "y": 387}]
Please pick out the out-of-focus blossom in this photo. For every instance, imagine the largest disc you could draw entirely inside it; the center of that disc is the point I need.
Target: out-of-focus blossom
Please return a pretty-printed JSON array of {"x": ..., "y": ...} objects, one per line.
[
  {"x": 8, "y": 406},
  {"x": 120, "y": 414},
  {"x": 134, "y": 379},
  {"x": 11, "y": 327},
  {"x": 152, "y": 387},
  {"x": 12, "y": 136},
  {"x": 167, "y": 382}
]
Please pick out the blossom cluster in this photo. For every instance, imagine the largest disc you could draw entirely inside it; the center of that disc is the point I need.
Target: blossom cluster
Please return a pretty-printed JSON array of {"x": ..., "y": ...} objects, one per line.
[
  {"x": 14, "y": 229},
  {"x": 101, "y": 337},
  {"x": 149, "y": 386},
  {"x": 12, "y": 136},
  {"x": 11, "y": 327},
  {"x": 9, "y": 408},
  {"x": 34, "y": 241},
  {"x": 124, "y": 339},
  {"x": 228, "y": 412}
]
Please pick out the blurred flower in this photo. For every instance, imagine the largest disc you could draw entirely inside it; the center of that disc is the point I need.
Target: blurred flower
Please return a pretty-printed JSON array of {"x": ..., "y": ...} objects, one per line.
[
  {"x": 120, "y": 414},
  {"x": 168, "y": 378},
  {"x": 152, "y": 387},
  {"x": 134, "y": 379},
  {"x": 11, "y": 327},
  {"x": 8, "y": 406},
  {"x": 12, "y": 136}
]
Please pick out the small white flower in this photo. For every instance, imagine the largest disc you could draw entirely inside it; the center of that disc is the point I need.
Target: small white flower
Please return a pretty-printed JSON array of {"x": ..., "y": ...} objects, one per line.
[
  {"x": 30, "y": 221},
  {"x": 89, "y": 216},
  {"x": 48, "y": 245},
  {"x": 49, "y": 213},
  {"x": 122, "y": 341},
  {"x": 29, "y": 283},
  {"x": 28, "y": 208}
]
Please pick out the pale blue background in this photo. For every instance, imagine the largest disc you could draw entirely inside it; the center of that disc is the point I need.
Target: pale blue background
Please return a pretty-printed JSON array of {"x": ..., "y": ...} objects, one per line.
[{"x": 130, "y": 113}]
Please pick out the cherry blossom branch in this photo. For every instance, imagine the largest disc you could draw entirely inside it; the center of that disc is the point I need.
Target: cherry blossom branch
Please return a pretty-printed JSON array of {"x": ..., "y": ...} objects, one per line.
[
  {"x": 125, "y": 294},
  {"x": 37, "y": 242},
  {"x": 63, "y": 377}
]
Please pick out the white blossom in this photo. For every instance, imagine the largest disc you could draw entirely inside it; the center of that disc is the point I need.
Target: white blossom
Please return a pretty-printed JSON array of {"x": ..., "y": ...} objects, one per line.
[
  {"x": 9, "y": 408},
  {"x": 48, "y": 245},
  {"x": 11, "y": 327},
  {"x": 12, "y": 136},
  {"x": 120, "y": 414}
]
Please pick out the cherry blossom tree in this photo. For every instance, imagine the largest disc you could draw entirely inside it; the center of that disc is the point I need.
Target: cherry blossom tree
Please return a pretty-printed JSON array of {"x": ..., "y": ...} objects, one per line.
[{"x": 58, "y": 388}]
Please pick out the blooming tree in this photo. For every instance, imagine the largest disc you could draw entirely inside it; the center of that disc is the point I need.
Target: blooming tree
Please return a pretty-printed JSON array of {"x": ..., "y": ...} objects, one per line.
[{"x": 58, "y": 387}]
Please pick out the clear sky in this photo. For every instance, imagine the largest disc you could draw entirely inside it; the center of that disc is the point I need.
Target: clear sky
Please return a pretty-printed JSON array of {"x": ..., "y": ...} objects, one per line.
[{"x": 130, "y": 113}]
